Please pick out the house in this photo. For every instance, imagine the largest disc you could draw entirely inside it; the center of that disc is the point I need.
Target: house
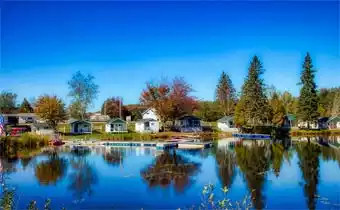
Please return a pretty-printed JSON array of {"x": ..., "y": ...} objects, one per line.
[
  {"x": 334, "y": 122},
  {"x": 42, "y": 129},
  {"x": 80, "y": 126},
  {"x": 147, "y": 125},
  {"x": 188, "y": 123},
  {"x": 289, "y": 121},
  {"x": 19, "y": 118},
  {"x": 116, "y": 125},
  {"x": 321, "y": 123},
  {"x": 150, "y": 114},
  {"x": 98, "y": 117},
  {"x": 226, "y": 124}
]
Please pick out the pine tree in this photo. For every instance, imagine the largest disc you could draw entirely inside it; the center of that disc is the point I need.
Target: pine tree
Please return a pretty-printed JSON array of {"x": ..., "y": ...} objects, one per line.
[
  {"x": 226, "y": 94},
  {"x": 308, "y": 100},
  {"x": 253, "y": 108},
  {"x": 26, "y": 107}
]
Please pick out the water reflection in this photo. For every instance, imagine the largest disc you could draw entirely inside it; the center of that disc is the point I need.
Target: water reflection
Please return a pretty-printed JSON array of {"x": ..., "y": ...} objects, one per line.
[
  {"x": 254, "y": 162},
  {"x": 82, "y": 178},
  {"x": 50, "y": 171},
  {"x": 114, "y": 156},
  {"x": 309, "y": 164},
  {"x": 170, "y": 168},
  {"x": 226, "y": 164}
]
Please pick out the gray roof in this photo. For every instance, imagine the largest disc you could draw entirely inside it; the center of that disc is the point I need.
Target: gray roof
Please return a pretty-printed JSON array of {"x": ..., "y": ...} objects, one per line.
[
  {"x": 20, "y": 115},
  {"x": 334, "y": 119},
  {"x": 188, "y": 116},
  {"x": 71, "y": 121},
  {"x": 147, "y": 120},
  {"x": 41, "y": 125},
  {"x": 115, "y": 120},
  {"x": 226, "y": 119}
]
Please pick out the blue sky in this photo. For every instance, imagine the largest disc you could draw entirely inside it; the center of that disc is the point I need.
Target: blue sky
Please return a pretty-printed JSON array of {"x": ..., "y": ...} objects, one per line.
[{"x": 126, "y": 44}]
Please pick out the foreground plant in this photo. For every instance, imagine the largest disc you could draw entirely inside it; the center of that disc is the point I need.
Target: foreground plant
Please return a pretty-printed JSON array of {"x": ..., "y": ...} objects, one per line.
[{"x": 209, "y": 200}]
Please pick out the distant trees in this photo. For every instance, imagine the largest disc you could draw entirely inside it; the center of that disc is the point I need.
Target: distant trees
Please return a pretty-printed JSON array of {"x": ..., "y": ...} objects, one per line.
[
  {"x": 253, "y": 108},
  {"x": 308, "y": 100},
  {"x": 75, "y": 110},
  {"x": 113, "y": 107},
  {"x": 336, "y": 104},
  {"x": 83, "y": 90},
  {"x": 209, "y": 111},
  {"x": 51, "y": 109},
  {"x": 26, "y": 107},
  {"x": 289, "y": 102},
  {"x": 7, "y": 102},
  {"x": 226, "y": 94},
  {"x": 169, "y": 99},
  {"x": 277, "y": 108}
]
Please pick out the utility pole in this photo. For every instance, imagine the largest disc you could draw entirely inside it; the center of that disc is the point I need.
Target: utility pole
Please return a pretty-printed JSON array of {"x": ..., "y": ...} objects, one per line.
[{"x": 120, "y": 107}]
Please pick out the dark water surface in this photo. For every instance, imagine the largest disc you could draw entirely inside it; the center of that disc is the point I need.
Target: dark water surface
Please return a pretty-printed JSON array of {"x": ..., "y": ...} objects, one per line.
[{"x": 292, "y": 175}]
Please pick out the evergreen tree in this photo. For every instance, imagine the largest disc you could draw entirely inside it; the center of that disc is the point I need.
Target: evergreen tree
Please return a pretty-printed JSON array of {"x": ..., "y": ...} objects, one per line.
[
  {"x": 253, "y": 108},
  {"x": 308, "y": 100},
  {"x": 226, "y": 94},
  {"x": 26, "y": 107}
]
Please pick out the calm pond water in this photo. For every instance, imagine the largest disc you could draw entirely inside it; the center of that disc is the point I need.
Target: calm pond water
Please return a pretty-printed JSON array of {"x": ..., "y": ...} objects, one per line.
[{"x": 294, "y": 175}]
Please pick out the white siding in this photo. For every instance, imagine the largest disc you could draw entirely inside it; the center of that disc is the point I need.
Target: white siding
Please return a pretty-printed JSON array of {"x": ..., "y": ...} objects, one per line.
[
  {"x": 154, "y": 127},
  {"x": 224, "y": 126},
  {"x": 150, "y": 114}
]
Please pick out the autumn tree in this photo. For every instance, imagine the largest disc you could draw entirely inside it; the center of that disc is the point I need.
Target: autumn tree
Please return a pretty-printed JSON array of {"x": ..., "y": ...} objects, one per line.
[
  {"x": 278, "y": 109},
  {"x": 51, "y": 109},
  {"x": 226, "y": 94},
  {"x": 83, "y": 90},
  {"x": 113, "y": 107},
  {"x": 289, "y": 102},
  {"x": 26, "y": 107},
  {"x": 170, "y": 100},
  {"x": 7, "y": 102},
  {"x": 253, "y": 108},
  {"x": 308, "y": 100}
]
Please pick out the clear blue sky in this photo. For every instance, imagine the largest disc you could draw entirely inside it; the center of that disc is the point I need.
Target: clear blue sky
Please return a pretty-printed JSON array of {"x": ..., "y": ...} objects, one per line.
[{"x": 126, "y": 44}]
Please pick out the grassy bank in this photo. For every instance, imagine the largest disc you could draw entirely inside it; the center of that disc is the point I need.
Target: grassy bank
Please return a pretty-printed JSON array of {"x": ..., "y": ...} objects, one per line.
[{"x": 296, "y": 132}]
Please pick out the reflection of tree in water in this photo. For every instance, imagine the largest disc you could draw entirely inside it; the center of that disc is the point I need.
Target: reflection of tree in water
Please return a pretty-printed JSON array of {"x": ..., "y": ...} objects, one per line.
[
  {"x": 51, "y": 170},
  {"x": 254, "y": 164},
  {"x": 277, "y": 151},
  {"x": 82, "y": 178},
  {"x": 226, "y": 163},
  {"x": 329, "y": 153},
  {"x": 308, "y": 154},
  {"x": 170, "y": 167},
  {"x": 114, "y": 157}
]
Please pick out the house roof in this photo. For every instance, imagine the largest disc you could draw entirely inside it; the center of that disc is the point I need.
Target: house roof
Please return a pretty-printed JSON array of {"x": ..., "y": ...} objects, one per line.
[
  {"x": 147, "y": 120},
  {"x": 72, "y": 121},
  {"x": 334, "y": 119},
  {"x": 152, "y": 109},
  {"x": 188, "y": 116},
  {"x": 115, "y": 120},
  {"x": 291, "y": 117},
  {"x": 226, "y": 119},
  {"x": 19, "y": 115},
  {"x": 323, "y": 119},
  {"x": 41, "y": 125}
]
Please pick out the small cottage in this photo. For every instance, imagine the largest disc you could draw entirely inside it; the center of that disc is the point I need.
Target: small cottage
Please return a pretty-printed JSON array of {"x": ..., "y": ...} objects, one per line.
[
  {"x": 80, "y": 127},
  {"x": 147, "y": 126},
  {"x": 226, "y": 124},
  {"x": 334, "y": 122},
  {"x": 188, "y": 123},
  {"x": 150, "y": 114},
  {"x": 19, "y": 118},
  {"x": 42, "y": 129},
  {"x": 116, "y": 125},
  {"x": 321, "y": 123}
]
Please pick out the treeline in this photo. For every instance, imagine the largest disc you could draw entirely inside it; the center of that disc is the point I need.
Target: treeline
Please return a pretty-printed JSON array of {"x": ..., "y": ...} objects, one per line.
[{"x": 256, "y": 104}]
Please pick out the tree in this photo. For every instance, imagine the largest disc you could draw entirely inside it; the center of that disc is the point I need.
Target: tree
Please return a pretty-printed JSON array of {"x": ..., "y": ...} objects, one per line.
[
  {"x": 26, "y": 107},
  {"x": 83, "y": 90},
  {"x": 51, "y": 109},
  {"x": 7, "y": 102},
  {"x": 308, "y": 100},
  {"x": 336, "y": 105},
  {"x": 278, "y": 109},
  {"x": 208, "y": 111},
  {"x": 51, "y": 170},
  {"x": 226, "y": 94},
  {"x": 113, "y": 107},
  {"x": 170, "y": 100},
  {"x": 253, "y": 108},
  {"x": 289, "y": 102},
  {"x": 75, "y": 110}
]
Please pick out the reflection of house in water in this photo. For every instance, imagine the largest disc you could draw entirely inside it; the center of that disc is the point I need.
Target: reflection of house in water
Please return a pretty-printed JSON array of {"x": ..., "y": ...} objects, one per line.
[{"x": 227, "y": 142}]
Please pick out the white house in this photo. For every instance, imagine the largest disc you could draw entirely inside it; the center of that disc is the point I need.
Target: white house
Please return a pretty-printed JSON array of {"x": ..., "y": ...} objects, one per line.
[
  {"x": 80, "y": 127},
  {"x": 150, "y": 114},
  {"x": 116, "y": 125},
  {"x": 226, "y": 124},
  {"x": 98, "y": 117},
  {"x": 19, "y": 118},
  {"x": 321, "y": 123},
  {"x": 147, "y": 126},
  {"x": 334, "y": 122}
]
